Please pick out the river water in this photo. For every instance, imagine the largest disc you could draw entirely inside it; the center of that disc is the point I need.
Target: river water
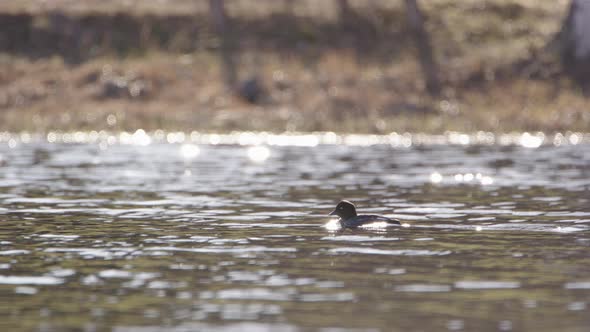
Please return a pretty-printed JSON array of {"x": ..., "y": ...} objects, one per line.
[{"x": 192, "y": 232}]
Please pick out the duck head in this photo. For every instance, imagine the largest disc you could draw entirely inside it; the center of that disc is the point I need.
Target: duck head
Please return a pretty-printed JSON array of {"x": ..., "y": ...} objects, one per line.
[{"x": 344, "y": 210}]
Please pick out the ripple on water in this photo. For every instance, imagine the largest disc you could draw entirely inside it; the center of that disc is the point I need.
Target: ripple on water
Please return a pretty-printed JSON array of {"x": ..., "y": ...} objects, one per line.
[
  {"x": 568, "y": 214},
  {"x": 359, "y": 238},
  {"x": 536, "y": 227},
  {"x": 223, "y": 250},
  {"x": 283, "y": 280},
  {"x": 26, "y": 290},
  {"x": 390, "y": 271},
  {"x": 247, "y": 276},
  {"x": 231, "y": 312},
  {"x": 336, "y": 297},
  {"x": 59, "y": 237},
  {"x": 115, "y": 274},
  {"x": 90, "y": 253},
  {"x": 401, "y": 252},
  {"x": 251, "y": 294},
  {"x": 407, "y": 216},
  {"x": 487, "y": 284},
  {"x": 281, "y": 214},
  {"x": 62, "y": 273},
  {"x": 262, "y": 225},
  {"x": 431, "y": 212},
  {"x": 31, "y": 280},
  {"x": 527, "y": 227},
  {"x": 423, "y": 288},
  {"x": 576, "y": 306},
  {"x": 53, "y": 200},
  {"x": 14, "y": 252},
  {"x": 445, "y": 215},
  {"x": 482, "y": 219},
  {"x": 577, "y": 285},
  {"x": 192, "y": 239},
  {"x": 224, "y": 241}
]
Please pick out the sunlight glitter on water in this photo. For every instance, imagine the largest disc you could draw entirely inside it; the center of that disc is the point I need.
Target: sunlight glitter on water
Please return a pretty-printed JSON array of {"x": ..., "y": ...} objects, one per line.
[
  {"x": 532, "y": 141},
  {"x": 436, "y": 177},
  {"x": 189, "y": 151},
  {"x": 258, "y": 154},
  {"x": 141, "y": 137},
  {"x": 478, "y": 178}
]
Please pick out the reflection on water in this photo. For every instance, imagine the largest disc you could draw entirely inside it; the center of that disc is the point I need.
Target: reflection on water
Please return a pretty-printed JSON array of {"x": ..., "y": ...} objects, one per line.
[{"x": 143, "y": 231}]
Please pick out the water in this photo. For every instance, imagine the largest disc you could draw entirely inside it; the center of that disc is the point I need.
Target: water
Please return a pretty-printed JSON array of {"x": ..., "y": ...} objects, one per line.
[{"x": 185, "y": 232}]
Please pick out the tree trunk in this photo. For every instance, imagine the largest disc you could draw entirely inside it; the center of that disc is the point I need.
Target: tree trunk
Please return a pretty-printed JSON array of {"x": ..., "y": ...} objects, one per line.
[
  {"x": 224, "y": 32},
  {"x": 424, "y": 47},
  {"x": 574, "y": 42},
  {"x": 288, "y": 6},
  {"x": 344, "y": 11}
]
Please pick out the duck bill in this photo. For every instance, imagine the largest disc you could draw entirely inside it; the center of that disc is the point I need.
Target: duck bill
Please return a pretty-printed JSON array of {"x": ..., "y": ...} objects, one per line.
[{"x": 333, "y": 213}]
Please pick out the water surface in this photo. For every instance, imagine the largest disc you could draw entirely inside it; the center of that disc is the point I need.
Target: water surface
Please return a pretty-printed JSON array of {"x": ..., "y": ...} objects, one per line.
[{"x": 144, "y": 232}]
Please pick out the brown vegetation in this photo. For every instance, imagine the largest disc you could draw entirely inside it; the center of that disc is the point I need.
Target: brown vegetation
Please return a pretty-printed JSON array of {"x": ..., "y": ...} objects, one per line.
[{"x": 75, "y": 67}]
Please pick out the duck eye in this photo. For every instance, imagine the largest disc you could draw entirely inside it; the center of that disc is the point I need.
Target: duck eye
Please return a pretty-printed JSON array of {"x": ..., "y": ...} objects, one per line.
[{"x": 341, "y": 208}]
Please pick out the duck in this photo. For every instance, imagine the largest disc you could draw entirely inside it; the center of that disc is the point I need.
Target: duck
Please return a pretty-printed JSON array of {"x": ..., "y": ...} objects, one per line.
[{"x": 350, "y": 219}]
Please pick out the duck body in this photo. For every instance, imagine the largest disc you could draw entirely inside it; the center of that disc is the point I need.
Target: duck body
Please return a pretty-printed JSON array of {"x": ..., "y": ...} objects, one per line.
[
  {"x": 350, "y": 219},
  {"x": 365, "y": 219}
]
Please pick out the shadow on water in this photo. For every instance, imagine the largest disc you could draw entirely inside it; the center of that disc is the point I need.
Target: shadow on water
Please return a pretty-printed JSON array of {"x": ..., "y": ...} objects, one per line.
[{"x": 136, "y": 234}]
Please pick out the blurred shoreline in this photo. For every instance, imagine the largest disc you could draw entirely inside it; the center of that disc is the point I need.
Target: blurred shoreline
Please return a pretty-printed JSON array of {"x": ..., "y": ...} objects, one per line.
[{"x": 136, "y": 66}]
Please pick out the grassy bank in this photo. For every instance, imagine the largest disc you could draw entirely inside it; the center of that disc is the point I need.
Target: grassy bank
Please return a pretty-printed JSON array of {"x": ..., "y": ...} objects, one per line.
[{"x": 318, "y": 73}]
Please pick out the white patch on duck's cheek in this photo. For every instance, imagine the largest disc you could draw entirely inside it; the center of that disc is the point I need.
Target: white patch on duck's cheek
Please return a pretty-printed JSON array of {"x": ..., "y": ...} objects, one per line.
[{"x": 333, "y": 225}]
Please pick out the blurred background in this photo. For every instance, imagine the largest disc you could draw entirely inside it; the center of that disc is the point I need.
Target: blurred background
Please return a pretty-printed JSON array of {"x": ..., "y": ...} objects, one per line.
[{"x": 369, "y": 66}]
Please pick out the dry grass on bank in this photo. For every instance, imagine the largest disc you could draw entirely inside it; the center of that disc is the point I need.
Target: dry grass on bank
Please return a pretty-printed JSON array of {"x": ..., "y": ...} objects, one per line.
[
  {"x": 183, "y": 92},
  {"x": 477, "y": 45}
]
